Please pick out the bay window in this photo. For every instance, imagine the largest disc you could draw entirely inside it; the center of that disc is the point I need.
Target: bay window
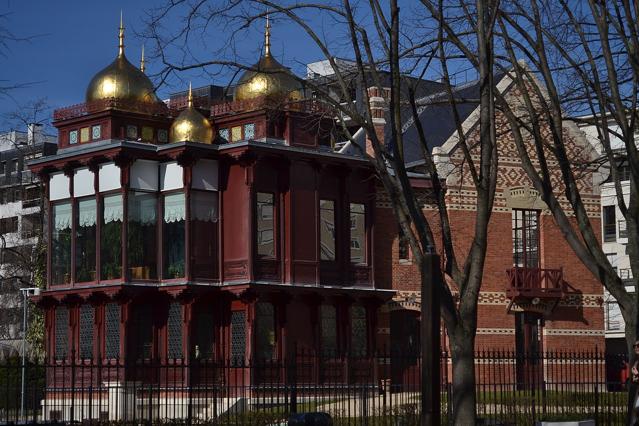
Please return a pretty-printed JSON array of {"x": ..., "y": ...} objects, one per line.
[
  {"x": 358, "y": 233},
  {"x": 111, "y": 237},
  {"x": 142, "y": 235},
  {"x": 85, "y": 240},
  {"x": 61, "y": 243},
  {"x": 265, "y": 225},
  {"x": 204, "y": 234},
  {"x": 173, "y": 232}
]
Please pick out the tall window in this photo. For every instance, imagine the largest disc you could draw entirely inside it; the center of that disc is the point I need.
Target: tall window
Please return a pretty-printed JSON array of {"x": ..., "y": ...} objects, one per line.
[
  {"x": 265, "y": 330},
  {"x": 86, "y": 234},
  {"x": 144, "y": 331},
  {"x": 112, "y": 330},
  {"x": 204, "y": 335},
  {"x": 61, "y": 332},
  {"x": 111, "y": 237},
  {"x": 403, "y": 246},
  {"x": 142, "y": 238},
  {"x": 265, "y": 225},
  {"x": 87, "y": 318},
  {"x": 526, "y": 238},
  {"x": 61, "y": 244},
  {"x": 204, "y": 219},
  {"x": 174, "y": 331},
  {"x": 359, "y": 339},
  {"x": 609, "y": 223},
  {"x": 238, "y": 337},
  {"x": 327, "y": 229},
  {"x": 173, "y": 235},
  {"x": 358, "y": 233},
  {"x": 328, "y": 330}
]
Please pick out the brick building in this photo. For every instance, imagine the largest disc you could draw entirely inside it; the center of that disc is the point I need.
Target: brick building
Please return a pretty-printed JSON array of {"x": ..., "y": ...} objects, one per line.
[{"x": 536, "y": 295}]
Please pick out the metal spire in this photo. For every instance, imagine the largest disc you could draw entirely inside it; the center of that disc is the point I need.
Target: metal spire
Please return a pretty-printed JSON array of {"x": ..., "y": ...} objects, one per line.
[
  {"x": 142, "y": 66},
  {"x": 190, "y": 98},
  {"x": 267, "y": 37},
  {"x": 121, "y": 36}
]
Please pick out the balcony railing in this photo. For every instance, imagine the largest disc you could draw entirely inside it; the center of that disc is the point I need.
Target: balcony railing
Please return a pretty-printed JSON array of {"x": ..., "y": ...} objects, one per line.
[
  {"x": 92, "y": 107},
  {"x": 535, "y": 282},
  {"x": 623, "y": 229},
  {"x": 306, "y": 105}
]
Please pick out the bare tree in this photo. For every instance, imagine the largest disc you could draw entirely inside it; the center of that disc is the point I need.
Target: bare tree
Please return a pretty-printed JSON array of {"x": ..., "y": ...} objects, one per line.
[
  {"x": 380, "y": 40},
  {"x": 565, "y": 59}
]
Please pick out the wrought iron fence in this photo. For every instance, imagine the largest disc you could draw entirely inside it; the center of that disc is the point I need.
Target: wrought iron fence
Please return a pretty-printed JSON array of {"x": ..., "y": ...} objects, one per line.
[{"x": 383, "y": 389}]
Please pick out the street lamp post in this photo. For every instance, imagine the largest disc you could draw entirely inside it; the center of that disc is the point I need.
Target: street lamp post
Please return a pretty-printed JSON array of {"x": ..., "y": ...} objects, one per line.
[{"x": 28, "y": 291}]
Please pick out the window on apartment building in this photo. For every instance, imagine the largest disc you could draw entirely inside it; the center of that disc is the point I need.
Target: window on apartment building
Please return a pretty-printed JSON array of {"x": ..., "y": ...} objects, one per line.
[
  {"x": 174, "y": 331},
  {"x": 87, "y": 319},
  {"x": 609, "y": 223},
  {"x": 31, "y": 225},
  {"x": 9, "y": 225},
  {"x": 265, "y": 330},
  {"x": 327, "y": 229},
  {"x": 525, "y": 232},
  {"x": 358, "y": 232},
  {"x": 328, "y": 330},
  {"x": 61, "y": 332},
  {"x": 3, "y": 167},
  {"x": 12, "y": 166},
  {"x": 265, "y": 219},
  {"x": 85, "y": 240}
]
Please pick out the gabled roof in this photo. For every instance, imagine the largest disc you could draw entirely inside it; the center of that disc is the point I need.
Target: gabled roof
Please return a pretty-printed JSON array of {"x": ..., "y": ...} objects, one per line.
[{"x": 437, "y": 119}]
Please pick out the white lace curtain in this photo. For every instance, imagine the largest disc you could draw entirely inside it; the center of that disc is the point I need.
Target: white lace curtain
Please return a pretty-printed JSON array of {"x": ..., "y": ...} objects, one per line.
[
  {"x": 204, "y": 206},
  {"x": 113, "y": 209},
  {"x": 62, "y": 216},
  {"x": 174, "y": 208},
  {"x": 87, "y": 212},
  {"x": 143, "y": 208}
]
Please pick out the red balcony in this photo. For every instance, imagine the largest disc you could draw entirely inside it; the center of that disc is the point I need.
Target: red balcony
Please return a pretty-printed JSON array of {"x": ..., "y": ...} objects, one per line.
[{"x": 534, "y": 289}]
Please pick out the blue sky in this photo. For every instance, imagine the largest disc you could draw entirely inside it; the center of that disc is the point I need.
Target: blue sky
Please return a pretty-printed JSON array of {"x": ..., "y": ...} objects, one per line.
[{"x": 76, "y": 38}]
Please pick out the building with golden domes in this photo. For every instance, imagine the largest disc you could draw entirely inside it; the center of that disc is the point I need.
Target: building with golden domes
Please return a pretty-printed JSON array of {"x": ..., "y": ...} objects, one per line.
[{"x": 192, "y": 228}]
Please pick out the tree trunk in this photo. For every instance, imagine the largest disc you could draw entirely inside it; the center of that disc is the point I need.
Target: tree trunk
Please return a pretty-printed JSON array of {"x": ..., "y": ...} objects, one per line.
[{"x": 462, "y": 346}]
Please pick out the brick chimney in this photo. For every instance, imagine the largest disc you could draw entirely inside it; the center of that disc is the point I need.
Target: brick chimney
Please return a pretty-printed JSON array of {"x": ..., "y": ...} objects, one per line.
[{"x": 379, "y": 106}]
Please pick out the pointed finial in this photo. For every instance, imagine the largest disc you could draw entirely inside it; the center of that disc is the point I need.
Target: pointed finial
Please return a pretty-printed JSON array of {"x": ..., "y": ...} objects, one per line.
[
  {"x": 267, "y": 37},
  {"x": 190, "y": 98},
  {"x": 121, "y": 36},
  {"x": 142, "y": 60}
]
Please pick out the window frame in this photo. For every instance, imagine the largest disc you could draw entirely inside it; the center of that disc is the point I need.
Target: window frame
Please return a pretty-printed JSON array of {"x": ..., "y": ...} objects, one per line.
[
  {"x": 258, "y": 232},
  {"x": 521, "y": 224},
  {"x": 334, "y": 230},
  {"x": 607, "y": 227},
  {"x": 352, "y": 226}
]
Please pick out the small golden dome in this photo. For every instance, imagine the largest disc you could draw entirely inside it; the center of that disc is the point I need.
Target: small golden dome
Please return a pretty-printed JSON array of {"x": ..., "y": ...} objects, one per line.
[
  {"x": 268, "y": 78},
  {"x": 121, "y": 80},
  {"x": 191, "y": 126}
]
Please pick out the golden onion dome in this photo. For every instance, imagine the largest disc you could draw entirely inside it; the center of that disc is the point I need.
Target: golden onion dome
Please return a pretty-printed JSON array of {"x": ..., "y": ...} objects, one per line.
[
  {"x": 191, "y": 126},
  {"x": 121, "y": 80},
  {"x": 268, "y": 77}
]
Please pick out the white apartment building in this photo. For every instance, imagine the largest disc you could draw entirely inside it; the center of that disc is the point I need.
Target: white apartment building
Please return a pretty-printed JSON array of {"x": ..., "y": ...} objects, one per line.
[
  {"x": 614, "y": 235},
  {"x": 21, "y": 222}
]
